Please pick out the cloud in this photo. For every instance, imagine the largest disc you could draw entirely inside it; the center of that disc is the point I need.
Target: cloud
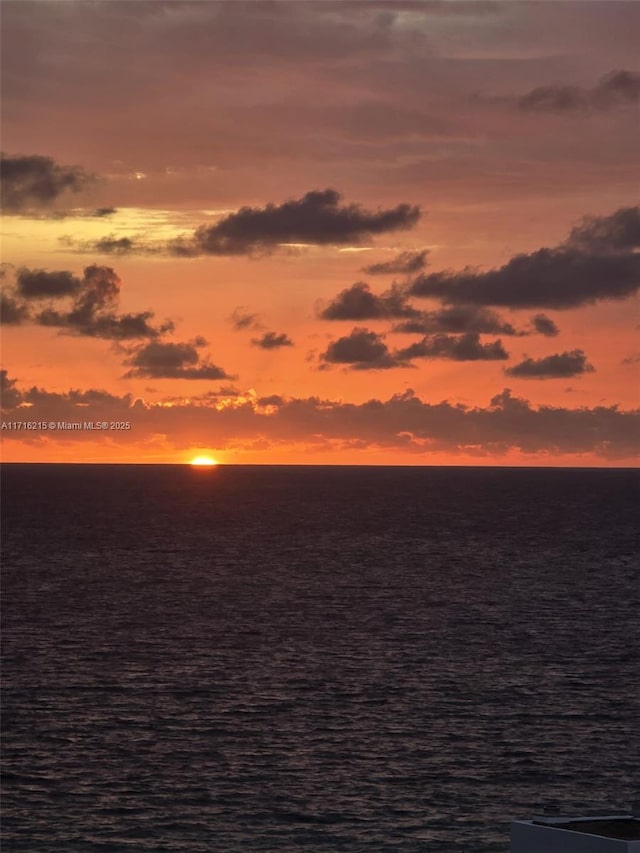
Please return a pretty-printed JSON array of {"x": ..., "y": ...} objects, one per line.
[
  {"x": 316, "y": 218},
  {"x": 101, "y": 290},
  {"x": 403, "y": 421},
  {"x": 567, "y": 276},
  {"x": 10, "y": 396},
  {"x": 33, "y": 181},
  {"x": 463, "y": 348},
  {"x": 270, "y": 340},
  {"x": 110, "y": 326},
  {"x": 545, "y": 326},
  {"x": 618, "y": 232},
  {"x": 271, "y": 400},
  {"x": 404, "y": 263},
  {"x": 618, "y": 88},
  {"x": 13, "y": 312},
  {"x": 337, "y": 56},
  {"x": 361, "y": 350},
  {"x": 457, "y": 319},
  {"x": 167, "y": 360},
  {"x": 558, "y": 366},
  {"x": 242, "y": 319},
  {"x": 46, "y": 284},
  {"x": 76, "y": 403},
  {"x": 547, "y": 278},
  {"x": 112, "y": 245},
  {"x": 359, "y": 303},
  {"x": 93, "y": 310},
  {"x": 77, "y": 213},
  {"x": 613, "y": 91},
  {"x": 554, "y": 99}
]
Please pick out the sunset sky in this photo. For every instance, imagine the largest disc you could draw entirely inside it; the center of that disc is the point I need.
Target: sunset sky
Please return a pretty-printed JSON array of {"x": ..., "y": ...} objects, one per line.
[{"x": 322, "y": 232}]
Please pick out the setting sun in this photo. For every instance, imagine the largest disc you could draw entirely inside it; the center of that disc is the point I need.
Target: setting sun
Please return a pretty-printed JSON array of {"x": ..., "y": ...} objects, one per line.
[{"x": 205, "y": 461}]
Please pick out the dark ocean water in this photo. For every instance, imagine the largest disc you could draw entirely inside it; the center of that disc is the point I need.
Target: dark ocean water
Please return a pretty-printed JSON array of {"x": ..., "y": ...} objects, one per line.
[{"x": 314, "y": 659}]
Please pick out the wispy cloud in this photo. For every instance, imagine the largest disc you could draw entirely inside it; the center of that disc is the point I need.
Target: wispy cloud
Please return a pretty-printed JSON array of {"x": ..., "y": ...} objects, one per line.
[
  {"x": 403, "y": 264},
  {"x": 613, "y": 91}
]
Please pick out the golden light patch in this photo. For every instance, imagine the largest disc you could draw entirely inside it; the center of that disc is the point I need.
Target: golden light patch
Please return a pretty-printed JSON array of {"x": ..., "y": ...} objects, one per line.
[{"x": 203, "y": 461}]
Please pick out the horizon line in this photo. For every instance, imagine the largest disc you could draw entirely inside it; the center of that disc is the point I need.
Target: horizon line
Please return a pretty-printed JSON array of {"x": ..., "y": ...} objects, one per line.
[{"x": 188, "y": 464}]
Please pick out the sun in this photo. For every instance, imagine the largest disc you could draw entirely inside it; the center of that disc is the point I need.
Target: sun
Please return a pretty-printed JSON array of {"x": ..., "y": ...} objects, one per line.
[{"x": 203, "y": 461}]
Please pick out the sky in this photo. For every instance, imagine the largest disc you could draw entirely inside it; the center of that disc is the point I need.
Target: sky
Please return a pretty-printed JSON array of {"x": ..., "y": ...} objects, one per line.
[{"x": 333, "y": 232}]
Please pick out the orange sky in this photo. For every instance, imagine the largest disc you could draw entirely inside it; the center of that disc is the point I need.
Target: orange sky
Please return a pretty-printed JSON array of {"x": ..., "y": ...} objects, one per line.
[{"x": 192, "y": 193}]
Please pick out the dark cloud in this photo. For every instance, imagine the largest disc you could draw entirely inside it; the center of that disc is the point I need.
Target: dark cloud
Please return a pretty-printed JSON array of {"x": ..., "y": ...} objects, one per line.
[
  {"x": 110, "y": 326},
  {"x": 547, "y": 278},
  {"x": 404, "y": 263},
  {"x": 618, "y": 88},
  {"x": 13, "y": 311},
  {"x": 361, "y": 350},
  {"x": 457, "y": 319},
  {"x": 271, "y": 340},
  {"x": 316, "y": 218},
  {"x": 65, "y": 405},
  {"x": 242, "y": 319},
  {"x": 403, "y": 421},
  {"x": 34, "y": 181},
  {"x": 545, "y": 326},
  {"x": 602, "y": 266},
  {"x": 116, "y": 246},
  {"x": 93, "y": 311},
  {"x": 166, "y": 360},
  {"x": 271, "y": 400},
  {"x": 618, "y": 232},
  {"x": 226, "y": 391},
  {"x": 457, "y": 348},
  {"x": 46, "y": 284},
  {"x": 359, "y": 303},
  {"x": 558, "y": 366},
  {"x": 99, "y": 293},
  {"x": 10, "y": 396},
  {"x": 614, "y": 90},
  {"x": 631, "y": 359}
]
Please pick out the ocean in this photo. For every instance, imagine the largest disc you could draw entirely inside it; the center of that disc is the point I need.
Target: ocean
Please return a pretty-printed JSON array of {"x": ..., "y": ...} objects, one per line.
[{"x": 290, "y": 659}]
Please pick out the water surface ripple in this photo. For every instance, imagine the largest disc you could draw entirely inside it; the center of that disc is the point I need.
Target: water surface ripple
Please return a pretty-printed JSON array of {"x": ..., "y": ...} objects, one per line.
[{"x": 314, "y": 659}]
